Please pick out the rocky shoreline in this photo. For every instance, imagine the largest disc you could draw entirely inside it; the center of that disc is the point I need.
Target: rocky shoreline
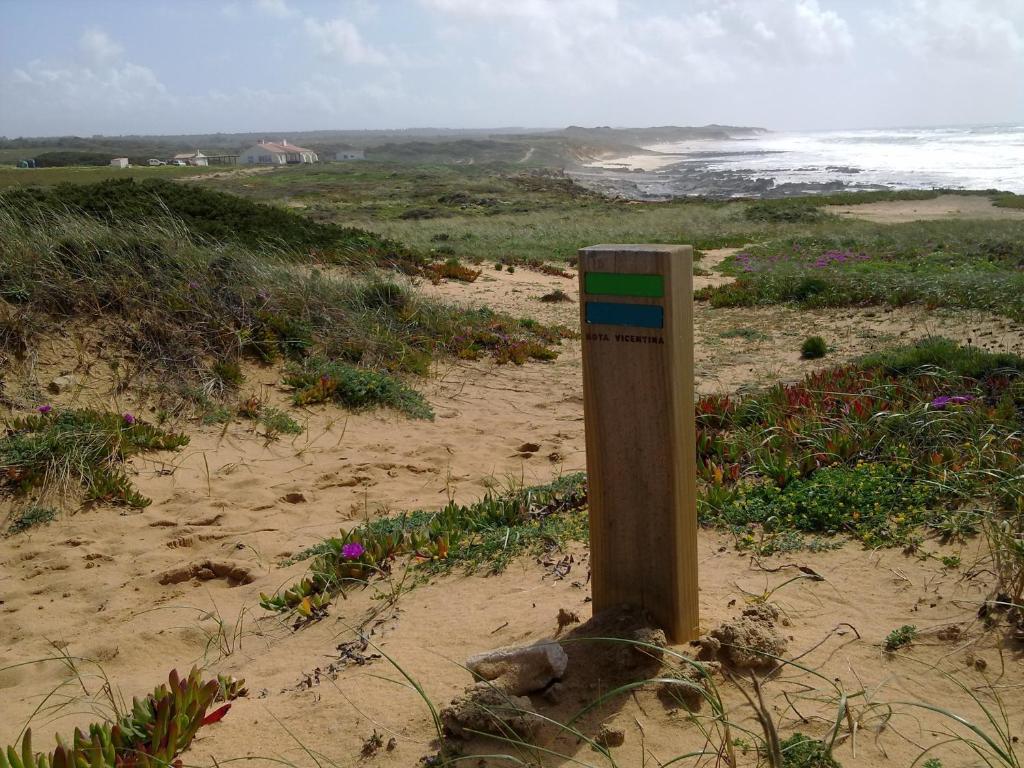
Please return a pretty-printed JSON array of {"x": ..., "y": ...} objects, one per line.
[{"x": 696, "y": 177}]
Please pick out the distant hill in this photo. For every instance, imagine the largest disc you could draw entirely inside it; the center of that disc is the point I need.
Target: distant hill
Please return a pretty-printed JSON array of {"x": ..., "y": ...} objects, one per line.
[
  {"x": 660, "y": 134},
  {"x": 563, "y": 147}
]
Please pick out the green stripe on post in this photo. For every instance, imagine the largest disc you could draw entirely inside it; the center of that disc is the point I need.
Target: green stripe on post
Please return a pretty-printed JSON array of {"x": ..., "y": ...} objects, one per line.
[{"x": 624, "y": 284}]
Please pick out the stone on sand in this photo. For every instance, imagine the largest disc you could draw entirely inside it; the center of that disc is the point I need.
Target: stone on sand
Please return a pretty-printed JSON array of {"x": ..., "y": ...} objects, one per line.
[
  {"x": 61, "y": 384},
  {"x": 520, "y": 670}
]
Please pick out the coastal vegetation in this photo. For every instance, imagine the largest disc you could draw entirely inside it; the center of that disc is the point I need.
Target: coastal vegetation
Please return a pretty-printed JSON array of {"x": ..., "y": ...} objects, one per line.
[
  {"x": 190, "y": 305},
  {"x": 904, "y": 446},
  {"x": 966, "y": 264},
  {"x": 55, "y": 454}
]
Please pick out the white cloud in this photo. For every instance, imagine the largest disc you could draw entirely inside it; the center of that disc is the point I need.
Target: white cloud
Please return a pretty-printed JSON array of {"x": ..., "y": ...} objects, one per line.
[
  {"x": 340, "y": 37},
  {"x": 986, "y": 31},
  {"x": 589, "y": 46},
  {"x": 525, "y": 9},
  {"x": 98, "y": 46},
  {"x": 277, "y": 8},
  {"x": 96, "y": 93}
]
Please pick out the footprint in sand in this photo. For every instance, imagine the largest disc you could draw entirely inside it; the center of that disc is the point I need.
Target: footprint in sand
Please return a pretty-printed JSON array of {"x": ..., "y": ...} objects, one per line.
[{"x": 206, "y": 570}]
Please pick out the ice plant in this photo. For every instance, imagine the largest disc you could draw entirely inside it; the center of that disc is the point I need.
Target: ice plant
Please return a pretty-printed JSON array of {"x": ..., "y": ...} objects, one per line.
[{"x": 353, "y": 550}]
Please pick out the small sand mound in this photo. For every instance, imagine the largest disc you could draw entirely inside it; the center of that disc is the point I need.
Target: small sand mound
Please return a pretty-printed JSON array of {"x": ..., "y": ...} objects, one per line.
[
  {"x": 484, "y": 709},
  {"x": 749, "y": 642}
]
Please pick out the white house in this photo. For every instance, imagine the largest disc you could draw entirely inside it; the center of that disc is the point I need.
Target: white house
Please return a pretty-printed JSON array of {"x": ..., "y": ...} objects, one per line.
[
  {"x": 274, "y": 153},
  {"x": 119, "y": 162},
  {"x": 192, "y": 158},
  {"x": 349, "y": 154}
]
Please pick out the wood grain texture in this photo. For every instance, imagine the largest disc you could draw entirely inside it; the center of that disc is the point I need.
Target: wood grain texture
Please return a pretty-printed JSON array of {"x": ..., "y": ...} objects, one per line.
[{"x": 641, "y": 462}]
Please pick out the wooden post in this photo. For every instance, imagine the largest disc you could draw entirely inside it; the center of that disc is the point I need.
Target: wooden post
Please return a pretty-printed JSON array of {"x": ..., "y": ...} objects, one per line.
[{"x": 636, "y": 312}]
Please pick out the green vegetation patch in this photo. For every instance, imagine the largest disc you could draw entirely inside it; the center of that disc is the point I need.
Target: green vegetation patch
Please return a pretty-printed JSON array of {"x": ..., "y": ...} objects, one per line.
[
  {"x": 900, "y": 637},
  {"x": 191, "y": 309},
  {"x": 813, "y": 348},
  {"x": 491, "y": 212},
  {"x": 878, "y": 504},
  {"x": 30, "y": 517},
  {"x": 56, "y": 452},
  {"x": 874, "y": 450},
  {"x": 967, "y": 264},
  {"x": 1008, "y": 200},
  {"x": 799, "y": 751},
  {"x": 211, "y": 214},
  {"x": 321, "y": 381},
  {"x": 489, "y": 534}
]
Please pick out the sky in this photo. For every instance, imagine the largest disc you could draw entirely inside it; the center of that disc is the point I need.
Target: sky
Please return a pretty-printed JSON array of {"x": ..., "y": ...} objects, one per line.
[{"x": 83, "y": 67}]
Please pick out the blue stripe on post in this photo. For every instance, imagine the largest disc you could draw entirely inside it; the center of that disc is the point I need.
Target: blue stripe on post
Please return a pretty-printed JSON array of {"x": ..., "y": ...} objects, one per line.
[{"x": 638, "y": 315}]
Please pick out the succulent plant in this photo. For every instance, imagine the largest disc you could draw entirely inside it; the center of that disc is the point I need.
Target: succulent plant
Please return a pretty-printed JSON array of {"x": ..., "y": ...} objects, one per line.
[{"x": 158, "y": 728}]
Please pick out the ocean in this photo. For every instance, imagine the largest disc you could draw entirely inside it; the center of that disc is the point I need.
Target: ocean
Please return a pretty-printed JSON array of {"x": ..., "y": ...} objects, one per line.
[{"x": 780, "y": 163}]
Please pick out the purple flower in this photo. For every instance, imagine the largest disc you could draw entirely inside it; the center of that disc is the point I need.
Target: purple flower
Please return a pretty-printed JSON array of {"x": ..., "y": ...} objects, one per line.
[
  {"x": 942, "y": 401},
  {"x": 128, "y": 418},
  {"x": 44, "y": 409},
  {"x": 353, "y": 550},
  {"x": 193, "y": 285}
]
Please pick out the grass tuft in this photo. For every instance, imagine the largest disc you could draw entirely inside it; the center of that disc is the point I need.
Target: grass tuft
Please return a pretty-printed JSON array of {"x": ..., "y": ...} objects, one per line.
[
  {"x": 30, "y": 517},
  {"x": 58, "y": 452},
  {"x": 814, "y": 347}
]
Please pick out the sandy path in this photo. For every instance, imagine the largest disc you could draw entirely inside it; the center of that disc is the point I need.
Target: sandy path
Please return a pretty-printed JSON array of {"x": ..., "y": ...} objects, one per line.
[
  {"x": 941, "y": 207},
  {"x": 92, "y": 583}
]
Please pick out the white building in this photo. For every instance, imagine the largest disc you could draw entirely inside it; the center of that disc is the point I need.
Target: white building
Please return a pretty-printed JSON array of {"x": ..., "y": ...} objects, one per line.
[
  {"x": 349, "y": 154},
  {"x": 274, "y": 153},
  {"x": 192, "y": 158},
  {"x": 119, "y": 162}
]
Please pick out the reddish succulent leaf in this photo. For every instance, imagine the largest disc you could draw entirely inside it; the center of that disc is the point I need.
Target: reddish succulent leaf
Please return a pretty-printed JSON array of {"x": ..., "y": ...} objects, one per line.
[{"x": 216, "y": 715}]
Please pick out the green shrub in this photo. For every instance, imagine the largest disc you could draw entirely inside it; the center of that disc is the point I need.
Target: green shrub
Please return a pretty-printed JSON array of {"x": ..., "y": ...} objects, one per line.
[
  {"x": 83, "y": 449},
  {"x": 938, "y": 352},
  {"x": 966, "y": 264},
  {"x": 799, "y": 751},
  {"x": 802, "y": 209},
  {"x": 556, "y": 296},
  {"x": 321, "y": 381},
  {"x": 813, "y": 348},
  {"x": 878, "y": 504},
  {"x": 876, "y": 450},
  {"x": 1008, "y": 200},
  {"x": 277, "y": 422},
  {"x": 228, "y": 374},
  {"x": 900, "y": 638},
  {"x": 30, "y": 517}
]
